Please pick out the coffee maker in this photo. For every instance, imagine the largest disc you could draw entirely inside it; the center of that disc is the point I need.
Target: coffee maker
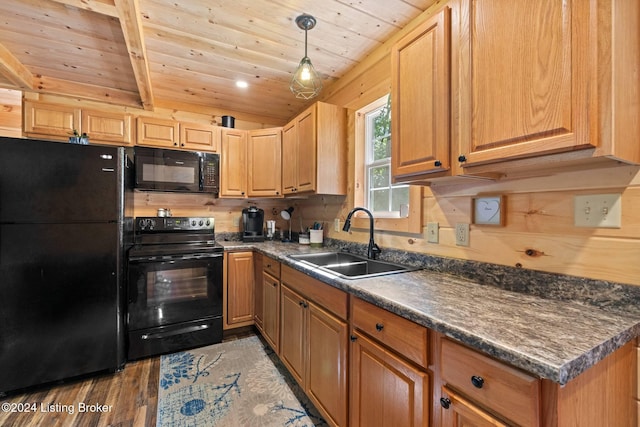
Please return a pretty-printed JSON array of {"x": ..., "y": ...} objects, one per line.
[{"x": 252, "y": 224}]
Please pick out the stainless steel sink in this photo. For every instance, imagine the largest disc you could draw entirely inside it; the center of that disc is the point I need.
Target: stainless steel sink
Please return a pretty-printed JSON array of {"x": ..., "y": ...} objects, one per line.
[{"x": 350, "y": 266}]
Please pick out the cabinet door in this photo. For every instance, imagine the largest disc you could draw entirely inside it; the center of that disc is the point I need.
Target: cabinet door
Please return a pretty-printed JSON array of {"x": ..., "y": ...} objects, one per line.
[
  {"x": 239, "y": 289},
  {"x": 292, "y": 332},
  {"x": 158, "y": 133},
  {"x": 233, "y": 168},
  {"x": 107, "y": 127},
  {"x": 53, "y": 121},
  {"x": 524, "y": 80},
  {"x": 307, "y": 151},
  {"x": 289, "y": 158},
  {"x": 264, "y": 158},
  {"x": 385, "y": 390},
  {"x": 200, "y": 137},
  {"x": 327, "y": 364},
  {"x": 271, "y": 311},
  {"x": 420, "y": 96},
  {"x": 457, "y": 411},
  {"x": 258, "y": 293}
]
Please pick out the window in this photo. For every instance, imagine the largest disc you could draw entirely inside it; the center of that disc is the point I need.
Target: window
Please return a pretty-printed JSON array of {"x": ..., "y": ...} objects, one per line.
[
  {"x": 373, "y": 186},
  {"x": 382, "y": 197}
]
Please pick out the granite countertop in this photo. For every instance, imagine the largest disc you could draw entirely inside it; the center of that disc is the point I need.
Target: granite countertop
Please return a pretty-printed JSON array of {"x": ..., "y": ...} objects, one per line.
[{"x": 551, "y": 338}]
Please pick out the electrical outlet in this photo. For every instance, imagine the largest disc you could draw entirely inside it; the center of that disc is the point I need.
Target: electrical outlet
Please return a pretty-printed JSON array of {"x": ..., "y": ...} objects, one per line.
[
  {"x": 462, "y": 234},
  {"x": 431, "y": 234},
  {"x": 598, "y": 210},
  {"x": 236, "y": 221},
  {"x": 336, "y": 224}
]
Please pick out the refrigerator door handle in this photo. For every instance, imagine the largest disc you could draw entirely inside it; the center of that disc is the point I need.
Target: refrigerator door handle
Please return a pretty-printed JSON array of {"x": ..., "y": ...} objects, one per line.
[{"x": 108, "y": 170}]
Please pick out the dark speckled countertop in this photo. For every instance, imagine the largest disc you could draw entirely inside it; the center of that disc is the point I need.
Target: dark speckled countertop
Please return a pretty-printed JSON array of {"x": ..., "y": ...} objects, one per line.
[{"x": 555, "y": 336}]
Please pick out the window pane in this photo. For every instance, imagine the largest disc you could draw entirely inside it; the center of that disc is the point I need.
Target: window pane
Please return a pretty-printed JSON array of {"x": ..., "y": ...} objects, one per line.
[
  {"x": 382, "y": 148},
  {"x": 379, "y": 200},
  {"x": 399, "y": 196},
  {"x": 379, "y": 177}
]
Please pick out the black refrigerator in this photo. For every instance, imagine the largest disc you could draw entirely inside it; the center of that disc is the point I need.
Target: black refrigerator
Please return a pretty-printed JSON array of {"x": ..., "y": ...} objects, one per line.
[{"x": 65, "y": 224}]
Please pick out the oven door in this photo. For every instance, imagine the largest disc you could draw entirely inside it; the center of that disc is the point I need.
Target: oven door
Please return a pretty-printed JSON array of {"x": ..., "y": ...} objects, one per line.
[{"x": 166, "y": 290}]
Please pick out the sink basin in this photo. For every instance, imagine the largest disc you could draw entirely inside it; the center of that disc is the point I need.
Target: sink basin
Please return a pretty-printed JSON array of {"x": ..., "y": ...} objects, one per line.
[{"x": 350, "y": 266}]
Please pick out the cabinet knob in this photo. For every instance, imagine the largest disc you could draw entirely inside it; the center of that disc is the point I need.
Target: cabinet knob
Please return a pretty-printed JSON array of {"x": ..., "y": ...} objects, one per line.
[
  {"x": 275, "y": 284},
  {"x": 353, "y": 338},
  {"x": 462, "y": 158},
  {"x": 477, "y": 381},
  {"x": 175, "y": 144},
  {"x": 379, "y": 326},
  {"x": 437, "y": 163},
  {"x": 445, "y": 402}
]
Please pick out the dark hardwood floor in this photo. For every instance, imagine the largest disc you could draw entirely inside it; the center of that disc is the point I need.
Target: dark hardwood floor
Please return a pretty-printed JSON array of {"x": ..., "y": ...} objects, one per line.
[{"x": 130, "y": 397}]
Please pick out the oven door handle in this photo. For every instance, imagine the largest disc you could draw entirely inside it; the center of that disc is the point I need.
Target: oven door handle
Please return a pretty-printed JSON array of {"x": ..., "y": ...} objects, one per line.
[
  {"x": 161, "y": 258},
  {"x": 200, "y": 256}
]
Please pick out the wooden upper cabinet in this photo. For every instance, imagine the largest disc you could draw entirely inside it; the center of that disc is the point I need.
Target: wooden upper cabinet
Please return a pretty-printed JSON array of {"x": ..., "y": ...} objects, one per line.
[
  {"x": 57, "y": 122},
  {"x": 233, "y": 164},
  {"x": 50, "y": 121},
  {"x": 107, "y": 127},
  {"x": 420, "y": 77},
  {"x": 264, "y": 154},
  {"x": 314, "y": 157},
  {"x": 544, "y": 77},
  {"x": 179, "y": 135},
  {"x": 158, "y": 132},
  {"x": 199, "y": 137}
]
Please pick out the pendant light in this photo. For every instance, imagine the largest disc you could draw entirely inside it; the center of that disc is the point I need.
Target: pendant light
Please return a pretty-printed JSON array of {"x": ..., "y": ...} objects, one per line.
[{"x": 306, "y": 82}]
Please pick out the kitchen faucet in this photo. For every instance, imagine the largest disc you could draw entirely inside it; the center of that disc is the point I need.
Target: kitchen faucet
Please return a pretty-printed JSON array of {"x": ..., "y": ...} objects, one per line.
[{"x": 373, "y": 250}]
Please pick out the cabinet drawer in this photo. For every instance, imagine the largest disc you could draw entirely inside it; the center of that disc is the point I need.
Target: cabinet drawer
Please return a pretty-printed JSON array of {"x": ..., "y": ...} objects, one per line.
[
  {"x": 401, "y": 335},
  {"x": 271, "y": 266},
  {"x": 332, "y": 299},
  {"x": 507, "y": 391}
]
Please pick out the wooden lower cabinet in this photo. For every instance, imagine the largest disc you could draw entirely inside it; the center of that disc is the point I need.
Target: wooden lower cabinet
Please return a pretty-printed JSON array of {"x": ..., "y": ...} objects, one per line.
[
  {"x": 386, "y": 391},
  {"x": 238, "y": 296},
  {"x": 314, "y": 339},
  {"x": 458, "y": 411},
  {"x": 271, "y": 310}
]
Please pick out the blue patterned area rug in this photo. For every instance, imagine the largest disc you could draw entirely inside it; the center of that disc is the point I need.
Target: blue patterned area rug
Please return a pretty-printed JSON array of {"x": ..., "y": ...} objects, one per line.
[{"x": 236, "y": 383}]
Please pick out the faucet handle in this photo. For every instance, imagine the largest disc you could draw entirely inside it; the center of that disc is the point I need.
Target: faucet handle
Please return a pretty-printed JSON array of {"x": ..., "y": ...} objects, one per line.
[{"x": 375, "y": 250}]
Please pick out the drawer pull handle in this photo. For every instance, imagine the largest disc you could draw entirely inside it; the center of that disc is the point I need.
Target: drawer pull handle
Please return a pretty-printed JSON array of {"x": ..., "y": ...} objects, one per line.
[
  {"x": 353, "y": 338},
  {"x": 379, "y": 326},
  {"x": 477, "y": 381},
  {"x": 445, "y": 402}
]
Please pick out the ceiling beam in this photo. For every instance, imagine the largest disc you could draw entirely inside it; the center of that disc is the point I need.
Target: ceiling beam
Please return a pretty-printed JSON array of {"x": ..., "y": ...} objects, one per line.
[
  {"x": 107, "y": 95},
  {"x": 99, "y": 6},
  {"x": 14, "y": 71},
  {"x": 129, "y": 14}
]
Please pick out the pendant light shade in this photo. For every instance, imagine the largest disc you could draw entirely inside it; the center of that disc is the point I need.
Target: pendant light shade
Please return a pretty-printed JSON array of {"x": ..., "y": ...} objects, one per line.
[{"x": 306, "y": 82}]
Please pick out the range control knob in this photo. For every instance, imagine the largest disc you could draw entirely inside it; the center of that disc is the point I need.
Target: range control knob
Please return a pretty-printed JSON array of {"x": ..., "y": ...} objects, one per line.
[
  {"x": 193, "y": 222},
  {"x": 201, "y": 223},
  {"x": 208, "y": 223}
]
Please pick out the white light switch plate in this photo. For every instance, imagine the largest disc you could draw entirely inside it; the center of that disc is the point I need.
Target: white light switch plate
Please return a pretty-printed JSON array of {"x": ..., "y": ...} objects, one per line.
[
  {"x": 431, "y": 234},
  {"x": 598, "y": 210}
]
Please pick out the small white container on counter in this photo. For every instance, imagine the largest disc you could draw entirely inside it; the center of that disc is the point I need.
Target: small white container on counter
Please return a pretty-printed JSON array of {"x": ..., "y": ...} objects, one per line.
[{"x": 315, "y": 238}]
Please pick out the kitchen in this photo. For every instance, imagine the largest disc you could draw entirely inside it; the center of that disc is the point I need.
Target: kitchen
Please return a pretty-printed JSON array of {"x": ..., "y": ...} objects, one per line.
[{"x": 538, "y": 232}]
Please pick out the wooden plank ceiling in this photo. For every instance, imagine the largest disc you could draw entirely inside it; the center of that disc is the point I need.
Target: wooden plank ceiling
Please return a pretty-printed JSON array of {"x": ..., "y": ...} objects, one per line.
[{"x": 188, "y": 53}]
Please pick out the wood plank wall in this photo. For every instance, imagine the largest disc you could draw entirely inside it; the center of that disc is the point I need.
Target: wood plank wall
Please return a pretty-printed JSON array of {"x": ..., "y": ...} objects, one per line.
[
  {"x": 539, "y": 233},
  {"x": 10, "y": 113}
]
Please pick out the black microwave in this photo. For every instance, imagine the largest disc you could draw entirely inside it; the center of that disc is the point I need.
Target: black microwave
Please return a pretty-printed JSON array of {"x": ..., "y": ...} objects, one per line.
[{"x": 178, "y": 171}]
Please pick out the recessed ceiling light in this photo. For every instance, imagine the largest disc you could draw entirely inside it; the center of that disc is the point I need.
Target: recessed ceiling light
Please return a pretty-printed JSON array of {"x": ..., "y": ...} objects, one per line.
[{"x": 242, "y": 84}]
